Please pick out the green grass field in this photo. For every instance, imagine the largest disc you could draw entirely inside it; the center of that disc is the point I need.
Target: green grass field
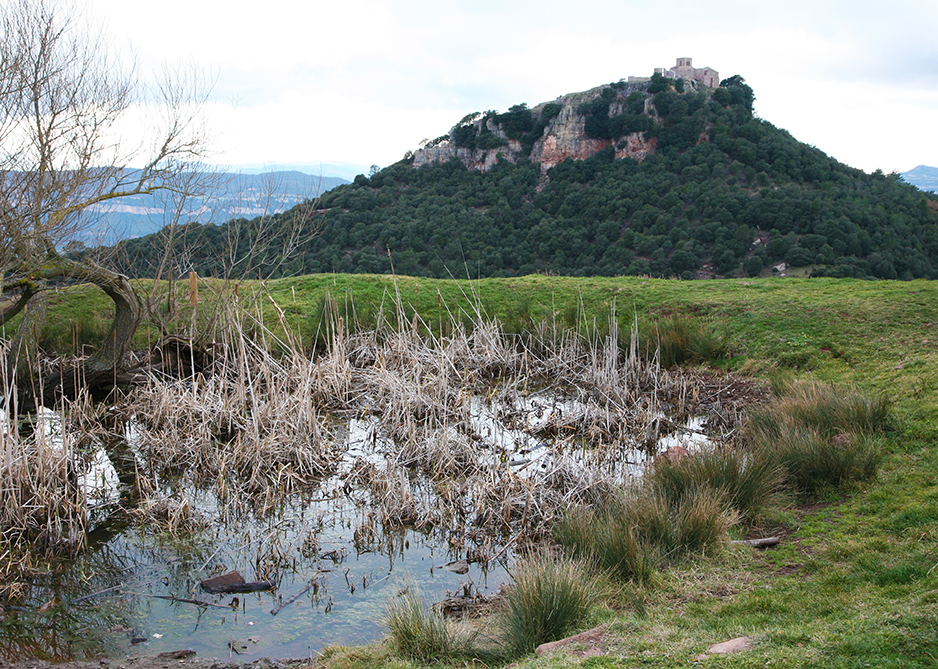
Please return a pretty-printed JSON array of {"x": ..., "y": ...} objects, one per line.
[{"x": 854, "y": 583}]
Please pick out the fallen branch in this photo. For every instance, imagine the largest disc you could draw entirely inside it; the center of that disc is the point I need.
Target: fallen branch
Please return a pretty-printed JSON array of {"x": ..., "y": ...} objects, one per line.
[
  {"x": 295, "y": 597},
  {"x": 759, "y": 543}
]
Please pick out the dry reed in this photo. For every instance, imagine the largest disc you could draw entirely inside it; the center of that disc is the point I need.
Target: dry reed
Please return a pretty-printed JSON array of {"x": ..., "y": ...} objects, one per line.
[
  {"x": 480, "y": 435},
  {"x": 44, "y": 508}
]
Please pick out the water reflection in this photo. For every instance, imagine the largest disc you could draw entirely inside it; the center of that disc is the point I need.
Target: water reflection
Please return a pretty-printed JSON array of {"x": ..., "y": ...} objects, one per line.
[{"x": 136, "y": 590}]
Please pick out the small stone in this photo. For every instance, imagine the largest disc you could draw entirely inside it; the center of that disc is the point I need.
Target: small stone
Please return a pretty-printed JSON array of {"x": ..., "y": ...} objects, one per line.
[
  {"x": 672, "y": 455},
  {"x": 459, "y": 566},
  {"x": 732, "y": 646},
  {"x": 586, "y": 644}
]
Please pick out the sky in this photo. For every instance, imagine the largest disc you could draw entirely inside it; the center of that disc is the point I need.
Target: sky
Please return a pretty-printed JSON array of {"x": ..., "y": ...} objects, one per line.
[{"x": 307, "y": 81}]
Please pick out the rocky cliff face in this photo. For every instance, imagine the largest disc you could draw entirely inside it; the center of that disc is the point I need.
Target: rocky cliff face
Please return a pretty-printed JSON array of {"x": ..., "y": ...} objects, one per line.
[
  {"x": 474, "y": 159},
  {"x": 563, "y": 136}
]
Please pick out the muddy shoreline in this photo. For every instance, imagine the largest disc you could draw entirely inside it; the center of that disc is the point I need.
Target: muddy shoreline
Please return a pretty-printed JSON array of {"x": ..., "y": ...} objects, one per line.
[{"x": 157, "y": 662}]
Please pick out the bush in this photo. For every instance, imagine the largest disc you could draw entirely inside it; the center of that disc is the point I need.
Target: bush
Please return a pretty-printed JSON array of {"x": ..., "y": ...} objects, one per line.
[
  {"x": 420, "y": 633},
  {"x": 747, "y": 484},
  {"x": 547, "y": 599}
]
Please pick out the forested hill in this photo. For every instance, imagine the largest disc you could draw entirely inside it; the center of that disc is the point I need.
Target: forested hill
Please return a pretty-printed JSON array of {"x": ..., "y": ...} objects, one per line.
[{"x": 662, "y": 178}]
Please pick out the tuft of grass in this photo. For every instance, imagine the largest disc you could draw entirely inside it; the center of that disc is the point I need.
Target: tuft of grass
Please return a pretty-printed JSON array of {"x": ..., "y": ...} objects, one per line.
[
  {"x": 699, "y": 522},
  {"x": 421, "y": 633},
  {"x": 827, "y": 409},
  {"x": 821, "y": 435},
  {"x": 601, "y": 535},
  {"x": 748, "y": 484},
  {"x": 635, "y": 532},
  {"x": 549, "y": 596},
  {"x": 678, "y": 340},
  {"x": 812, "y": 462}
]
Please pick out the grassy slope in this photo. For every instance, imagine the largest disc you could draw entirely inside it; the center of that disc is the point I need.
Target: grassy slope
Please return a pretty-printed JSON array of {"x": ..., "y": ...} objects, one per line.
[{"x": 856, "y": 582}]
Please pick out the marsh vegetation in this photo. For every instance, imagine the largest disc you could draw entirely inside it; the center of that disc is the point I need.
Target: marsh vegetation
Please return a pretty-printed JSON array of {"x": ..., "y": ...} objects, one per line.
[
  {"x": 406, "y": 447},
  {"x": 465, "y": 440}
]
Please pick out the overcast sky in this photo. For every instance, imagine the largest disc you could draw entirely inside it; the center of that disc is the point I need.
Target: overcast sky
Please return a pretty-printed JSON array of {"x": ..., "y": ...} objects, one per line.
[{"x": 306, "y": 81}]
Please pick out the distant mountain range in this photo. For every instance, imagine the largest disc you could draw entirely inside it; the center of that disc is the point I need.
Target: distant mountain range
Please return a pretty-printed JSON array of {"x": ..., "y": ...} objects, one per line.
[
  {"x": 219, "y": 198},
  {"x": 346, "y": 171},
  {"x": 923, "y": 177}
]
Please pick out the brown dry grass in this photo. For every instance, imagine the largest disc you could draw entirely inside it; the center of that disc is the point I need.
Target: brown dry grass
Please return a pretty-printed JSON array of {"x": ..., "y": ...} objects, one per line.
[{"x": 256, "y": 426}]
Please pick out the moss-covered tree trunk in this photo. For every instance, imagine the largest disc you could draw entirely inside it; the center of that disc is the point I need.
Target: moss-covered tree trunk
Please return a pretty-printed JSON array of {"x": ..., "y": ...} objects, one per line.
[{"x": 99, "y": 371}]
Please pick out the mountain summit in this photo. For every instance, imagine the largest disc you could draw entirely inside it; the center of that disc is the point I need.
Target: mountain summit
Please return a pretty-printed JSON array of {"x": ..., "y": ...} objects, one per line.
[
  {"x": 577, "y": 125},
  {"x": 923, "y": 177},
  {"x": 664, "y": 176}
]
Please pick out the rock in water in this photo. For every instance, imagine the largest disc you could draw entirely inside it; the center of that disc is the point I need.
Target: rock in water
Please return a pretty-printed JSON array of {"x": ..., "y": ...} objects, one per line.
[
  {"x": 220, "y": 583},
  {"x": 233, "y": 582}
]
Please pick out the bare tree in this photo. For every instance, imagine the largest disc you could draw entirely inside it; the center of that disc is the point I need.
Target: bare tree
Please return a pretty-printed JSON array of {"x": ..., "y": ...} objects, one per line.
[{"x": 70, "y": 111}]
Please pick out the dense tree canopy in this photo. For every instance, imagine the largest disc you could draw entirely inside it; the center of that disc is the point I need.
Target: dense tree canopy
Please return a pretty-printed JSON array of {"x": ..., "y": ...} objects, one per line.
[{"x": 724, "y": 194}]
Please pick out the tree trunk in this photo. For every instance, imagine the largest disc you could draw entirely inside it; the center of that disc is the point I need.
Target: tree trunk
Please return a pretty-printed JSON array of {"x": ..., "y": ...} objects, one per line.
[{"x": 100, "y": 370}]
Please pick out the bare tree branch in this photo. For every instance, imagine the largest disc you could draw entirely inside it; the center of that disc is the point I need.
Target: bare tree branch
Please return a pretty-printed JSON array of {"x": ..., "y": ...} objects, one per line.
[{"x": 75, "y": 124}]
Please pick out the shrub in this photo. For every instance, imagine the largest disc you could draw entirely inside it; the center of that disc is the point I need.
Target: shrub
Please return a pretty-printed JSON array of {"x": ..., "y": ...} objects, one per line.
[
  {"x": 419, "y": 632},
  {"x": 746, "y": 483},
  {"x": 548, "y": 597}
]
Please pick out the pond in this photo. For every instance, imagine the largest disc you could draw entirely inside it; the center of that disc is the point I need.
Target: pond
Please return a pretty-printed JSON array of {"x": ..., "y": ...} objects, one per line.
[{"x": 423, "y": 468}]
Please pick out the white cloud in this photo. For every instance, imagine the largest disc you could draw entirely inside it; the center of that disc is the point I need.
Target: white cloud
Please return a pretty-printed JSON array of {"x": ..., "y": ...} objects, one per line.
[{"x": 365, "y": 81}]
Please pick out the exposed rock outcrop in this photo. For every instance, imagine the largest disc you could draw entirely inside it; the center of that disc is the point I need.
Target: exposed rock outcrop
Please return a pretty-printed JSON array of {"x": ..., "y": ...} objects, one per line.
[
  {"x": 474, "y": 159},
  {"x": 563, "y": 136}
]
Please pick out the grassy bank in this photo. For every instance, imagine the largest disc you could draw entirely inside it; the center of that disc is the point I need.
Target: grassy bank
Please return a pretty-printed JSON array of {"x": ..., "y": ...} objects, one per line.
[
  {"x": 855, "y": 580},
  {"x": 880, "y": 335}
]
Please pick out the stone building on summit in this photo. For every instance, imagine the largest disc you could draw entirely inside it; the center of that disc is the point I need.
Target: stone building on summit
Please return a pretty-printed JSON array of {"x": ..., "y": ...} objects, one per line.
[{"x": 685, "y": 69}]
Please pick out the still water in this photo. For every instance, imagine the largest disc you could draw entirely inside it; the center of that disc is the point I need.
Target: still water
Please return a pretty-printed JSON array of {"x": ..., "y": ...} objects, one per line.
[{"x": 333, "y": 562}]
